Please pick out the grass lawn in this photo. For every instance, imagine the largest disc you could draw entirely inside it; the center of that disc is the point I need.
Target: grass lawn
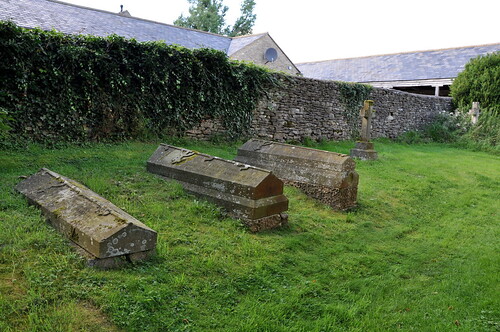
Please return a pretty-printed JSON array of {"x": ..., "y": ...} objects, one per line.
[{"x": 419, "y": 253}]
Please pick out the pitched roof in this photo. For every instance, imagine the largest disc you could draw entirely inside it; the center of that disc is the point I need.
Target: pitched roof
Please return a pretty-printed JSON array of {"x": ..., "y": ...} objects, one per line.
[
  {"x": 73, "y": 19},
  {"x": 237, "y": 43},
  {"x": 444, "y": 63}
]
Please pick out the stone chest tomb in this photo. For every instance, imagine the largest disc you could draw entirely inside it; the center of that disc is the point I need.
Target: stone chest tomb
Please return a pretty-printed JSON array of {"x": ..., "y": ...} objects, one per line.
[
  {"x": 101, "y": 229},
  {"x": 251, "y": 194},
  {"x": 326, "y": 176}
]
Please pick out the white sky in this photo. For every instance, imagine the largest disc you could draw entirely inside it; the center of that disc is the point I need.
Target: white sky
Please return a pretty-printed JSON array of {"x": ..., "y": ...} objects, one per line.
[{"x": 313, "y": 30}]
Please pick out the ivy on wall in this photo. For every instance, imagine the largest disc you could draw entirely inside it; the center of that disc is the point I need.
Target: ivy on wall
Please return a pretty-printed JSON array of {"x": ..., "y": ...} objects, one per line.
[
  {"x": 352, "y": 95},
  {"x": 75, "y": 88}
]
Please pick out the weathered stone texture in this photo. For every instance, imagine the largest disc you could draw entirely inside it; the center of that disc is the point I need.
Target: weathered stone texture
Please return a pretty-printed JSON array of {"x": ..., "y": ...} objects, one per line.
[
  {"x": 206, "y": 129},
  {"x": 409, "y": 111},
  {"x": 115, "y": 261},
  {"x": 252, "y": 194},
  {"x": 265, "y": 223},
  {"x": 312, "y": 108},
  {"x": 255, "y": 51},
  {"x": 99, "y": 227},
  {"x": 303, "y": 107},
  {"x": 364, "y": 151},
  {"x": 326, "y": 176}
]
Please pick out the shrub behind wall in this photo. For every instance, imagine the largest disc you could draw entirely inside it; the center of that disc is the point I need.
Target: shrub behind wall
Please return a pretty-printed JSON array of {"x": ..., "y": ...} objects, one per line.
[
  {"x": 480, "y": 81},
  {"x": 60, "y": 87}
]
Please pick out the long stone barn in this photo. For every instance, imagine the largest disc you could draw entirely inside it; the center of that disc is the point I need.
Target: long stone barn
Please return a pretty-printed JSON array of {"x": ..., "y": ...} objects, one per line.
[{"x": 424, "y": 72}]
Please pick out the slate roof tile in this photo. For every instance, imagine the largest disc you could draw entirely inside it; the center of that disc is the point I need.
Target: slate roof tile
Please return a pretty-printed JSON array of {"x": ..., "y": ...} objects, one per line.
[
  {"x": 433, "y": 64},
  {"x": 73, "y": 19}
]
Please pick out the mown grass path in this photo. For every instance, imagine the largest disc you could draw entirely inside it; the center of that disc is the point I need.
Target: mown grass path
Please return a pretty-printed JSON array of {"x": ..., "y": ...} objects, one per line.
[{"x": 419, "y": 253}]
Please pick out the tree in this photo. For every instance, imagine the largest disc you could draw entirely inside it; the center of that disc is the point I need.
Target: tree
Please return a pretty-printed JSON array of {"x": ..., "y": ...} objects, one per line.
[
  {"x": 480, "y": 81},
  {"x": 210, "y": 16},
  {"x": 244, "y": 23},
  {"x": 206, "y": 15}
]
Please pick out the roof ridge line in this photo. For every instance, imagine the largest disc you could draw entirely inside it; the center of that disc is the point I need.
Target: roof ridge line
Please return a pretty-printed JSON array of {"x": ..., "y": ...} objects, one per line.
[
  {"x": 252, "y": 35},
  {"x": 398, "y": 53},
  {"x": 136, "y": 18}
]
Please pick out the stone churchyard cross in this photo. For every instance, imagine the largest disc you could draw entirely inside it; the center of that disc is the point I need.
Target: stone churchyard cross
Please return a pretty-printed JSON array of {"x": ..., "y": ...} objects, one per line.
[
  {"x": 366, "y": 115},
  {"x": 474, "y": 112},
  {"x": 364, "y": 148}
]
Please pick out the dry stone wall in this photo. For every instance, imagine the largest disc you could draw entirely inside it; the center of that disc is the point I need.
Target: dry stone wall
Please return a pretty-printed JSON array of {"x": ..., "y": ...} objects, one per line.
[
  {"x": 308, "y": 108},
  {"x": 408, "y": 111}
]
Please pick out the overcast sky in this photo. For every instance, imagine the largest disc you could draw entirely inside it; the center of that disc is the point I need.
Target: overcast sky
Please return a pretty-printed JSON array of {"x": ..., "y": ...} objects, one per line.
[{"x": 312, "y": 30}]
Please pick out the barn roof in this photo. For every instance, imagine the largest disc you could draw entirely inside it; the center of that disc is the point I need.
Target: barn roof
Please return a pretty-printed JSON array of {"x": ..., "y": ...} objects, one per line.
[{"x": 443, "y": 63}]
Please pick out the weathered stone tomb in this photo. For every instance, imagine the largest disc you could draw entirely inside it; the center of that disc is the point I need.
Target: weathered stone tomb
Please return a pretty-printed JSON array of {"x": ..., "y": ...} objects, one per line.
[
  {"x": 326, "y": 176},
  {"x": 108, "y": 235},
  {"x": 251, "y": 194}
]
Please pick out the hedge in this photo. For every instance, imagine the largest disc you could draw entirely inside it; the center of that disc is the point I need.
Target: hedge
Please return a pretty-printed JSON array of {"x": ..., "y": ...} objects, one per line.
[{"x": 75, "y": 88}]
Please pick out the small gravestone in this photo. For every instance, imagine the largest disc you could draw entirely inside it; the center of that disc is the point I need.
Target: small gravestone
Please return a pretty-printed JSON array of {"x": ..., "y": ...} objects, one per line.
[
  {"x": 108, "y": 235},
  {"x": 364, "y": 148},
  {"x": 326, "y": 176},
  {"x": 251, "y": 194},
  {"x": 474, "y": 112}
]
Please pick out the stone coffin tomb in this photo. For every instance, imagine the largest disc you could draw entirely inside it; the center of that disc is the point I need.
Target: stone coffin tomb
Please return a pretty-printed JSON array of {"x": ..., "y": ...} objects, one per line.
[
  {"x": 108, "y": 235},
  {"x": 326, "y": 176},
  {"x": 251, "y": 194}
]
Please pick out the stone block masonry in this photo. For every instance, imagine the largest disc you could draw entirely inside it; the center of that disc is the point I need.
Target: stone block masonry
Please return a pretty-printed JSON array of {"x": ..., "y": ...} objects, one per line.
[
  {"x": 304, "y": 107},
  {"x": 326, "y": 176},
  {"x": 308, "y": 108},
  {"x": 108, "y": 235},
  {"x": 398, "y": 112},
  {"x": 251, "y": 194}
]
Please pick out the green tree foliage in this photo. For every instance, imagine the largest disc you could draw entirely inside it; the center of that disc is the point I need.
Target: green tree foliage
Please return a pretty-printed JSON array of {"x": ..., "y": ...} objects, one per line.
[
  {"x": 210, "y": 16},
  {"x": 60, "y": 87},
  {"x": 487, "y": 130},
  {"x": 480, "y": 81},
  {"x": 4, "y": 118},
  {"x": 244, "y": 23},
  {"x": 4, "y": 127},
  {"x": 206, "y": 15}
]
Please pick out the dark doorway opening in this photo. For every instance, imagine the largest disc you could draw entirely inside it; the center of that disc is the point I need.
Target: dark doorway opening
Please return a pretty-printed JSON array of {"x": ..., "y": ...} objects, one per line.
[{"x": 444, "y": 91}]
